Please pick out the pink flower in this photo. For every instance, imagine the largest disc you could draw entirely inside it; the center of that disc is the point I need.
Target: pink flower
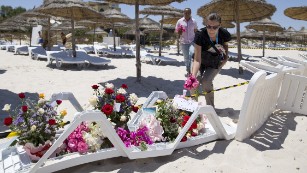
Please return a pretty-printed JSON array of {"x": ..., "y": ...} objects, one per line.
[
  {"x": 82, "y": 147},
  {"x": 180, "y": 28},
  {"x": 155, "y": 129},
  {"x": 191, "y": 83}
]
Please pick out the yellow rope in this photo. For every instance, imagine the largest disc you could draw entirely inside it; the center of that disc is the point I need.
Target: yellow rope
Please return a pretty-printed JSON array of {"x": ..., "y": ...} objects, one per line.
[{"x": 232, "y": 86}]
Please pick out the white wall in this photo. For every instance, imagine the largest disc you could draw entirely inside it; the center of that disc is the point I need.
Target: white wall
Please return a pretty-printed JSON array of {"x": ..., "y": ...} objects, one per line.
[
  {"x": 34, "y": 36},
  {"x": 109, "y": 40}
]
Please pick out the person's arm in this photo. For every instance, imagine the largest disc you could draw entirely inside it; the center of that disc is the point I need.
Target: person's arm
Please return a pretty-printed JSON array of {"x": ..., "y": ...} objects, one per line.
[
  {"x": 195, "y": 26},
  {"x": 226, "y": 54},
  {"x": 176, "y": 31},
  {"x": 197, "y": 60}
]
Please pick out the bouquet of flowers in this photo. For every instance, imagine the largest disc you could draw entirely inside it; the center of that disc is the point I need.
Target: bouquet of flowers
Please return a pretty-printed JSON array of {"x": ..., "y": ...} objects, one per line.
[
  {"x": 35, "y": 123},
  {"x": 191, "y": 83},
  {"x": 173, "y": 120},
  {"x": 116, "y": 104},
  {"x": 180, "y": 29}
]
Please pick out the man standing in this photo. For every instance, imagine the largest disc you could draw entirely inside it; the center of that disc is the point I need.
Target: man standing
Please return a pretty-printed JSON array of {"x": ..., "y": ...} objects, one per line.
[{"x": 186, "y": 28}]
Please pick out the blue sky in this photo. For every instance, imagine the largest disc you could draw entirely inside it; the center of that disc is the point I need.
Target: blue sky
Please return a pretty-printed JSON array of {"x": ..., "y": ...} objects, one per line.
[{"x": 278, "y": 16}]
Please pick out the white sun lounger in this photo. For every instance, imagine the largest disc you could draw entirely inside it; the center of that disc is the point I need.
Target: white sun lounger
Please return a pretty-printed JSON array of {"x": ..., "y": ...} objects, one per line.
[
  {"x": 157, "y": 60},
  {"x": 264, "y": 95},
  {"x": 297, "y": 61},
  {"x": 63, "y": 57},
  {"x": 93, "y": 60},
  {"x": 21, "y": 50}
]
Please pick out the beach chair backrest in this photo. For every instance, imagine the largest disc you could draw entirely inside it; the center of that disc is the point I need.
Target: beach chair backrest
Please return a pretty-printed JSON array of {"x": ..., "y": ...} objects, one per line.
[
  {"x": 259, "y": 103},
  {"x": 293, "y": 94}
]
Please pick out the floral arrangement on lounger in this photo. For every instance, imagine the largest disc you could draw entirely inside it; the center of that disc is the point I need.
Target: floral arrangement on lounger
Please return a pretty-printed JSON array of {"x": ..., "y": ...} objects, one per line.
[
  {"x": 35, "y": 122},
  {"x": 161, "y": 125}
]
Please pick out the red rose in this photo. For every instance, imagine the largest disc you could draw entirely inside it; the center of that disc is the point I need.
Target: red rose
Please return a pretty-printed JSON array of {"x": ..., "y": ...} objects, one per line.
[
  {"x": 120, "y": 98},
  {"x": 24, "y": 108},
  {"x": 58, "y": 102},
  {"x": 184, "y": 139},
  {"x": 135, "y": 108},
  {"x": 22, "y": 95},
  {"x": 109, "y": 91},
  {"x": 186, "y": 119},
  {"x": 8, "y": 121},
  {"x": 52, "y": 122},
  {"x": 95, "y": 87},
  {"x": 107, "y": 109},
  {"x": 194, "y": 134},
  {"x": 124, "y": 86}
]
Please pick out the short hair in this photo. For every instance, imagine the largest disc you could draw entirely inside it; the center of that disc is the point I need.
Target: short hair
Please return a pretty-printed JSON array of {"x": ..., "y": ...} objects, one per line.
[
  {"x": 214, "y": 17},
  {"x": 187, "y": 9}
]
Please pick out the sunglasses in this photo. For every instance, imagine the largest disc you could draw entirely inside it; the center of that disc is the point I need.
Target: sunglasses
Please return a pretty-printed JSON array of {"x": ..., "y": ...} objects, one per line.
[{"x": 212, "y": 27}]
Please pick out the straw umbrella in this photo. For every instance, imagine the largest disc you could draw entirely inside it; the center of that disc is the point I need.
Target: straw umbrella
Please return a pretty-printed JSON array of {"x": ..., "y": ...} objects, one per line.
[
  {"x": 115, "y": 16},
  {"x": 290, "y": 31},
  {"x": 303, "y": 33},
  {"x": 162, "y": 10},
  {"x": 227, "y": 24},
  {"x": 73, "y": 9},
  {"x": 299, "y": 13},
  {"x": 137, "y": 36},
  {"x": 238, "y": 11},
  {"x": 264, "y": 25},
  {"x": 173, "y": 21}
]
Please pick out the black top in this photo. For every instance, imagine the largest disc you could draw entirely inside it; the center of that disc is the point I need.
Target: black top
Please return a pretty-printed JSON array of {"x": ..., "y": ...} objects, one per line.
[{"x": 202, "y": 38}]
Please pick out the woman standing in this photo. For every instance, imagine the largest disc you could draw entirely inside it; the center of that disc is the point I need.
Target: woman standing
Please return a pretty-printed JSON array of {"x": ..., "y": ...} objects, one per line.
[{"x": 211, "y": 53}]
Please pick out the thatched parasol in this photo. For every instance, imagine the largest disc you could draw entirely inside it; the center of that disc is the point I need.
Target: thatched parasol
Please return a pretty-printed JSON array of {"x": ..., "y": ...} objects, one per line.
[
  {"x": 299, "y": 13},
  {"x": 227, "y": 24},
  {"x": 148, "y": 23},
  {"x": 162, "y": 10},
  {"x": 290, "y": 31},
  {"x": 137, "y": 36},
  {"x": 91, "y": 23},
  {"x": 265, "y": 25},
  {"x": 73, "y": 9},
  {"x": 115, "y": 16},
  {"x": 170, "y": 20},
  {"x": 173, "y": 21},
  {"x": 238, "y": 11},
  {"x": 303, "y": 33},
  {"x": 18, "y": 22}
]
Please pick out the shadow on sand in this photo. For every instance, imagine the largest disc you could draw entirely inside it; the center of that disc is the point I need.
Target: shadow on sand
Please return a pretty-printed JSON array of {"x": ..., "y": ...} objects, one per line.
[
  {"x": 272, "y": 134},
  {"x": 8, "y": 97},
  {"x": 149, "y": 84}
]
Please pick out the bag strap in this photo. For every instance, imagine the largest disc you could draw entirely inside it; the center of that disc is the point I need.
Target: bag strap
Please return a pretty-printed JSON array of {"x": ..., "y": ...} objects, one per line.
[{"x": 216, "y": 50}]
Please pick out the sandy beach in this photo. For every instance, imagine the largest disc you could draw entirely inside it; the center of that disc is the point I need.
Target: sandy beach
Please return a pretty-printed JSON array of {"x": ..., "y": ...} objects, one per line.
[{"x": 280, "y": 145}]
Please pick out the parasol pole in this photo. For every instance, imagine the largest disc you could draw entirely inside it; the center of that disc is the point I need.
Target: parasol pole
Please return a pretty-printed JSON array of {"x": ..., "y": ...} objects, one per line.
[
  {"x": 94, "y": 34},
  {"x": 73, "y": 37},
  {"x": 114, "y": 37},
  {"x": 263, "y": 42},
  {"x": 48, "y": 36},
  {"x": 161, "y": 34},
  {"x": 137, "y": 39},
  {"x": 238, "y": 35}
]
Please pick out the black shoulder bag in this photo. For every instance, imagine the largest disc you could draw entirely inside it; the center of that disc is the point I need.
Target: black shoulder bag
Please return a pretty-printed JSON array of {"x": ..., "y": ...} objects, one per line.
[{"x": 212, "y": 60}]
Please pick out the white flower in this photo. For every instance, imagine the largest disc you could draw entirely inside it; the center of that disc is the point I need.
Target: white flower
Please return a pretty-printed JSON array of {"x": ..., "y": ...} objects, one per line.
[
  {"x": 33, "y": 128},
  {"x": 6, "y": 107},
  {"x": 179, "y": 129},
  {"x": 175, "y": 106},
  {"x": 41, "y": 101},
  {"x": 195, "y": 131},
  {"x": 159, "y": 101},
  {"x": 200, "y": 126},
  {"x": 123, "y": 118},
  {"x": 133, "y": 98},
  {"x": 40, "y": 111},
  {"x": 109, "y": 85},
  {"x": 93, "y": 100},
  {"x": 121, "y": 91}
]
